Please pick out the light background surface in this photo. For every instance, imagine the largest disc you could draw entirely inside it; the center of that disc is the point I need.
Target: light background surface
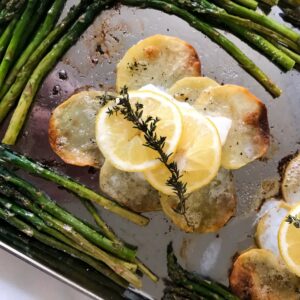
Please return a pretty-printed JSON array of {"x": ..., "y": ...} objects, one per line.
[{"x": 19, "y": 280}]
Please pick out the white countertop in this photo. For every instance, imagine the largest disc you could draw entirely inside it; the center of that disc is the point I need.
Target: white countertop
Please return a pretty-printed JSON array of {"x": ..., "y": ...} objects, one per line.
[{"x": 19, "y": 280}]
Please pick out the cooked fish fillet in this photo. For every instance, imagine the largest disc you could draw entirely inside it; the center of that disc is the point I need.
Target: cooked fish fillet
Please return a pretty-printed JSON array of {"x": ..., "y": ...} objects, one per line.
[
  {"x": 207, "y": 209},
  {"x": 129, "y": 189}
]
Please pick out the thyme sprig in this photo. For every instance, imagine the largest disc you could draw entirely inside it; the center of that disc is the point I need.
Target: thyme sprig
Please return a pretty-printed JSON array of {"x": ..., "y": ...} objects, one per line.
[
  {"x": 153, "y": 141},
  {"x": 293, "y": 220}
]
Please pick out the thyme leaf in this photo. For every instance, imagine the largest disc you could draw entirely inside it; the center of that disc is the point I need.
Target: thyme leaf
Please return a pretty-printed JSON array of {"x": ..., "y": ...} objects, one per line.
[
  {"x": 153, "y": 141},
  {"x": 293, "y": 220}
]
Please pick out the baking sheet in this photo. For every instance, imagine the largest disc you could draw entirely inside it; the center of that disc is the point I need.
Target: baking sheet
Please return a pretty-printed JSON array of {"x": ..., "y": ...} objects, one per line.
[{"x": 88, "y": 66}]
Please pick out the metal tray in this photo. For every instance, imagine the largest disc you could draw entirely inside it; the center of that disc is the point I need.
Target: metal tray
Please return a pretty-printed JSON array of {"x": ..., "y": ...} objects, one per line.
[{"x": 114, "y": 31}]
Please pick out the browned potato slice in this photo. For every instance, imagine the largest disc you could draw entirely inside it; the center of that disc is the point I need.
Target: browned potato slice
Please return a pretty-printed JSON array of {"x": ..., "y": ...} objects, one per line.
[
  {"x": 207, "y": 209},
  {"x": 72, "y": 129},
  {"x": 290, "y": 186},
  {"x": 159, "y": 60},
  {"x": 189, "y": 89},
  {"x": 248, "y": 138},
  {"x": 129, "y": 189},
  {"x": 273, "y": 212},
  {"x": 258, "y": 275}
]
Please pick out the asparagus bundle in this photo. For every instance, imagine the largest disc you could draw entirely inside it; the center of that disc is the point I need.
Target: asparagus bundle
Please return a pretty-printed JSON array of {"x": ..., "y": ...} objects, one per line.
[
  {"x": 46, "y": 216},
  {"x": 10, "y": 9},
  {"x": 188, "y": 284},
  {"x": 15, "y": 83},
  {"x": 17, "y": 37},
  {"x": 46, "y": 65},
  {"x": 68, "y": 183}
]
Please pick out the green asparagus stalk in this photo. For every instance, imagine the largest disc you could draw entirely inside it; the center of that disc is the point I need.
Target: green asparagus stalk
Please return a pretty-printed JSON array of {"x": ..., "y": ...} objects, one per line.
[
  {"x": 11, "y": 90},
  {"x": 252, "y": 4},
  {"x": 291, "y": 15},
  {"x": 102, "y": 225},
  {"x": 35, "y": 221},
  {"x": 108, "y": 232},
  {"x": 52, "y": 208},
  {"x": 10, "y": 10},
  {"x": 290, "y": 53},
  {"x": 18, "y": 35},
  {"x": 238, "y": 26},
  {"x": 44, "y": 30},
  {"x": 194, "y": 283},
  {"x": 274, "y": 53},
  {"x": 214, "y": 35},
  {"x": 6, "y": 36},
  {"x": 215, "y": 13},
  {"x": 45, "y": 66},
  {"x": 180, "y": 293},
  {"x": 69, "y": 184},
  {"x": 49, "y": 241},
  {"x": 59, "y": 229},
  {"x": 243, "y": 12},
  {"x": 61, "y": 261}
]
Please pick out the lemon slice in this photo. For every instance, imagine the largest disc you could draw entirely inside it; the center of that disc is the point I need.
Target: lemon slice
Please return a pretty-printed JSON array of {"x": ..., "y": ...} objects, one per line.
[
  {"x": 198, "y": 154},
  {"x": 123, "y": 145},
  {"x": 289, "y": 242}
]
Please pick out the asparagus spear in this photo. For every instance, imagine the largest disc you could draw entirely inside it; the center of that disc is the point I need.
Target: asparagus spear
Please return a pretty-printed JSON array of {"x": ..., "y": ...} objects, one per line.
[
  {"x": 68, "y": 183},
  {"x": 252, "y": 4},
  {"x": 58, "y": 229},
  {"x": 20, "y": 30},
  {"x": 46, "y": 65},
  {"x": 180, "y": 293},
  {"x": 32, "y": 232},
  {"x": 291, "y": 15},
  {"x": 44, "y": 30},
  {"x": 11, "y": 89},
  {"x": 102, "y": 225},
  {"x": 110, "y": 234},
  {"x": 6, "y": 36},
  {"x": 194, "y": 283},
  {"x": 274, "y": 53},
  {"x": 58, "y": 260},
  {"x": 35, "y": 221},
  {"x": 10, "y": 9},
  {"x": 243, "y": 12},
  {"x": 52, "y": 208},
  {"x": 214, "y": 35},
  {"x": 238, "y": 26},
  {"x": 214, "y": 13}
]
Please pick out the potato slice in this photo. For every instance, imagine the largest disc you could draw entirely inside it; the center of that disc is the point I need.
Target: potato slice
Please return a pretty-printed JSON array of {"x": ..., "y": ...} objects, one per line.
[
  {"x": 207, "y": 209},
  {"x": 257, "y": 274},
  {"x": 160, "y": 60},
  {"x": 189, "y": 89},
  {"x": 72, "y": 129},
  {"x": 269, "y": 223},
  {"x": 129, "y": 189},
  {"x": 290, "y": 185},
  {"x": 248, "y": 138}
]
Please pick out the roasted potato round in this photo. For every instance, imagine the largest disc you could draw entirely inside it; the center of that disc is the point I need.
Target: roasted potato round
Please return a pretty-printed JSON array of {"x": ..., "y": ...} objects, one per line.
[
  {"x": 72, "y": 129},
  {"x": 290, "y": 186},
  {"x": 129, "y": 189},
  {"x": 207, "y": 209},
  {"x": 258, "y": 274},
  {"x": 189, "y": 89},
  {"x": 248, "y": 138},
  {"x": 159, "y": 60}
]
